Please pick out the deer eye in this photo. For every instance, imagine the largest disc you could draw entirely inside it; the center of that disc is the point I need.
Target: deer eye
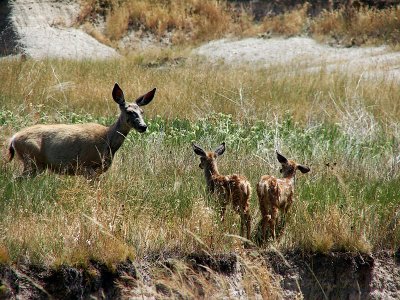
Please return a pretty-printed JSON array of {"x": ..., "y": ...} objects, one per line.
[{"x": 132, "y": 113}]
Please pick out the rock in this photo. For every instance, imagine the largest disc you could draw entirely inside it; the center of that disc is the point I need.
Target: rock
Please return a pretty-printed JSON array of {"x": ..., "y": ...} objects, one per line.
[{"x": 43, "y": 29}]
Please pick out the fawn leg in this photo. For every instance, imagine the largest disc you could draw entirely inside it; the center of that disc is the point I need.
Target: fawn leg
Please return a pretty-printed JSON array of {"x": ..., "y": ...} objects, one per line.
[{"x": 272, "y": 221}]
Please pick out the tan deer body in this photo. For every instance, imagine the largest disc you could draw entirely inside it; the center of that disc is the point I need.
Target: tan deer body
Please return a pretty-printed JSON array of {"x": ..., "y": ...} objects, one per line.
[
  {"x": 79, "y": 149},
  {"x": 276, "y": 194},
  {"x": 230, "y": 189}
]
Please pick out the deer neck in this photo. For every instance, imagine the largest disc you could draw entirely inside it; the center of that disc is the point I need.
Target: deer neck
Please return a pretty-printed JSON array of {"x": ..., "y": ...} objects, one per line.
[
  {"x": 210, "y": 172},
  {"x": 291, "y": 178},
  {"x": 116, "y": 135}
]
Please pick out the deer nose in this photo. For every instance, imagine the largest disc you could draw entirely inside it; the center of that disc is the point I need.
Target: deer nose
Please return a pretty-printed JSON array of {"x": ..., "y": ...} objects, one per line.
[{"x": 142, "y": 128}]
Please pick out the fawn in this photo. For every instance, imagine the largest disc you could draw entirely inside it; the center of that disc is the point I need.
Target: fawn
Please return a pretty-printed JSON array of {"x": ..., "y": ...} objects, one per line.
[
  {"x": 276, "y": 194},
  {"x": 234, "y": 189}
]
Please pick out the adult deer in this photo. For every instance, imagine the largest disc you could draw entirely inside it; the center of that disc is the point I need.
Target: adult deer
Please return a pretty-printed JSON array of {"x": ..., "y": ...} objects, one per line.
[
  {"x": 79, "y": 149},
  {"x": 275, "y": 194},
  {"x": 234, "y": 189}
]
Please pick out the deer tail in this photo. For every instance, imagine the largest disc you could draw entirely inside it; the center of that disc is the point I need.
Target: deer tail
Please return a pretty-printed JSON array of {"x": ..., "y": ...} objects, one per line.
[
  {"x": 246, "y": 188},
  {"x": 11, "y": 150}
]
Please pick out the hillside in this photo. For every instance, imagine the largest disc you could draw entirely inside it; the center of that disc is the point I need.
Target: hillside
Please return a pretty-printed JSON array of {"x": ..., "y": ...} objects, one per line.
[{"x": 45, "y": 29}]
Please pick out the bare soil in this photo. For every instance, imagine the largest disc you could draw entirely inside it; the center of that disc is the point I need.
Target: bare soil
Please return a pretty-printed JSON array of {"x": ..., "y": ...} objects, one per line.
[
  {"x": 305, "y": 54},
  {"x": 338, "y": 275},
  {"x": 44, "y": 29},
  {"x": 307, "y": 276}
]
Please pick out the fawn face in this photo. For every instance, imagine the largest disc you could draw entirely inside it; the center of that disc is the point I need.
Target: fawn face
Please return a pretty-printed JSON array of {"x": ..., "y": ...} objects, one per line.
[
  {"x": 289, "y": 167},
  {"x": 207, "y": 159},
  {"x": 206, "y": 162}
]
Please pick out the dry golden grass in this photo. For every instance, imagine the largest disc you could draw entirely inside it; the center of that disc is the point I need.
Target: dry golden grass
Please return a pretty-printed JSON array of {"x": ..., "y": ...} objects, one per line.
[
  {"x": 177, "y": 278},
  {"x": 183, "y": 21},
  {"x": 4, "y": 256},
  {"x": 347, "y": 25},
  {"x": 359, "y": 26},
  {"x": 194, "y": 21},
  {"x": 288, "y": 24},
  {"x": 45, "y": 91},
  {"x": 94, "y": 32},
  {"x": 332, "y": 229}
]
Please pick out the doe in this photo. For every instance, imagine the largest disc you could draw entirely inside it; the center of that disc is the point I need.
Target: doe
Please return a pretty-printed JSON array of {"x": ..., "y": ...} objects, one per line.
[
  {"x": 78, "y": 149},
  {"x": 234, "y": 189},
  {"x": 276, "y": 194}
]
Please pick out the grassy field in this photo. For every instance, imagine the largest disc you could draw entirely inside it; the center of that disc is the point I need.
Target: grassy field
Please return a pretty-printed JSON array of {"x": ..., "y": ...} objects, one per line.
[{"x": 153, "y": 199}]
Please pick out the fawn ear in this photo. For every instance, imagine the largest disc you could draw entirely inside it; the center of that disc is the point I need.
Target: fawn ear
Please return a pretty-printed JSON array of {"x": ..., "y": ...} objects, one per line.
[
  {"x": 281, "y": 158},
  {"x": 303, "y": 169},
  {"x": 118, "y": 94},
  {"x": 146, "y": 98},
  {"x": 198, "y": 150},
  {"x": 220, "y": 150}
]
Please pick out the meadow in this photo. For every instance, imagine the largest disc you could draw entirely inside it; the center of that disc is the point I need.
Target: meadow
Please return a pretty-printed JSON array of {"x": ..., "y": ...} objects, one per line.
[{"x": 154, "y": 200}]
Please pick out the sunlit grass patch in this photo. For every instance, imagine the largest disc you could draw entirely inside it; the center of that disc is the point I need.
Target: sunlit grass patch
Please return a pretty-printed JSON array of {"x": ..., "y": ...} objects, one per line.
[
  {"x": 153, "y": 199},
  {"x": 154, "y": 195},
  {"x": 63, "y": 91}
]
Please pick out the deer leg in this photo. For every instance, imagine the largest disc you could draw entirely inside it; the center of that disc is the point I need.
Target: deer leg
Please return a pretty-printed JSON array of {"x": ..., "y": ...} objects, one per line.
[
  {"x": 223, "y": 209},
  {"x": 242, "y": 223},
  {"x": 31, "y": 169},
  {"x": 247, "y": 223},
  {"x": 29, "y": 172},
  {"x": 282, "y": 219},
  {"x": 245, "y": 219},
  {"x": 264, "y": 222},
  {"x": 89, "y": 173},
  {"x": 272, "y": 221}
]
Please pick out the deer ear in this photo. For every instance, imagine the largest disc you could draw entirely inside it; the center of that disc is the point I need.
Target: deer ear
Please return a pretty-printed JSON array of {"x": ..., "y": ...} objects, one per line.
[
  {"x": 146, "y": 98},
  {"x": 198, "y": 150},
  {"x": 220, "y": 150},
  {"x": 303, "y": 169},
  {"x": 118, "y": 94},
  {"x": 281, "y": 158}
]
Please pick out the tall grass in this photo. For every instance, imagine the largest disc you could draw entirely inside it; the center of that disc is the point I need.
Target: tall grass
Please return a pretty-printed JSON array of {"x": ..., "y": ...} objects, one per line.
[
  {"x": 346, "y": 26},
  {"x": 153, "y": 199},
  {"x": 182, "y": 21},
  {"x": 60, "y": 91},
  {"x": 193, "y": 21},
  {"x": 290, "y": 23},
  {"x": 359, "y": 26}
]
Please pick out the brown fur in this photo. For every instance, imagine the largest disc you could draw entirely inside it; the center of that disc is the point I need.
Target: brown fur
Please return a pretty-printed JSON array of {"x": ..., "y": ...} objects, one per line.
[
  {"x": 230, "y": 189},
  {"x": 277, "y": 194},
  {"x": 80, "y": 149}
]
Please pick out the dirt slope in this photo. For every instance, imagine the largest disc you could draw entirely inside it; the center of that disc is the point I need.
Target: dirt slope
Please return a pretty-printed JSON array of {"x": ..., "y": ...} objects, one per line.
[
  {"x": 301, "y": 276},
  {"x": 44, "y": 30},
  {"x": 304, "y": 53}
]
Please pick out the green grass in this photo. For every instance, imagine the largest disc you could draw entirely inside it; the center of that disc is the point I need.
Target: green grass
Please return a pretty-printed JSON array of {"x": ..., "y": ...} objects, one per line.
[{"x": 153, "y": 199}]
